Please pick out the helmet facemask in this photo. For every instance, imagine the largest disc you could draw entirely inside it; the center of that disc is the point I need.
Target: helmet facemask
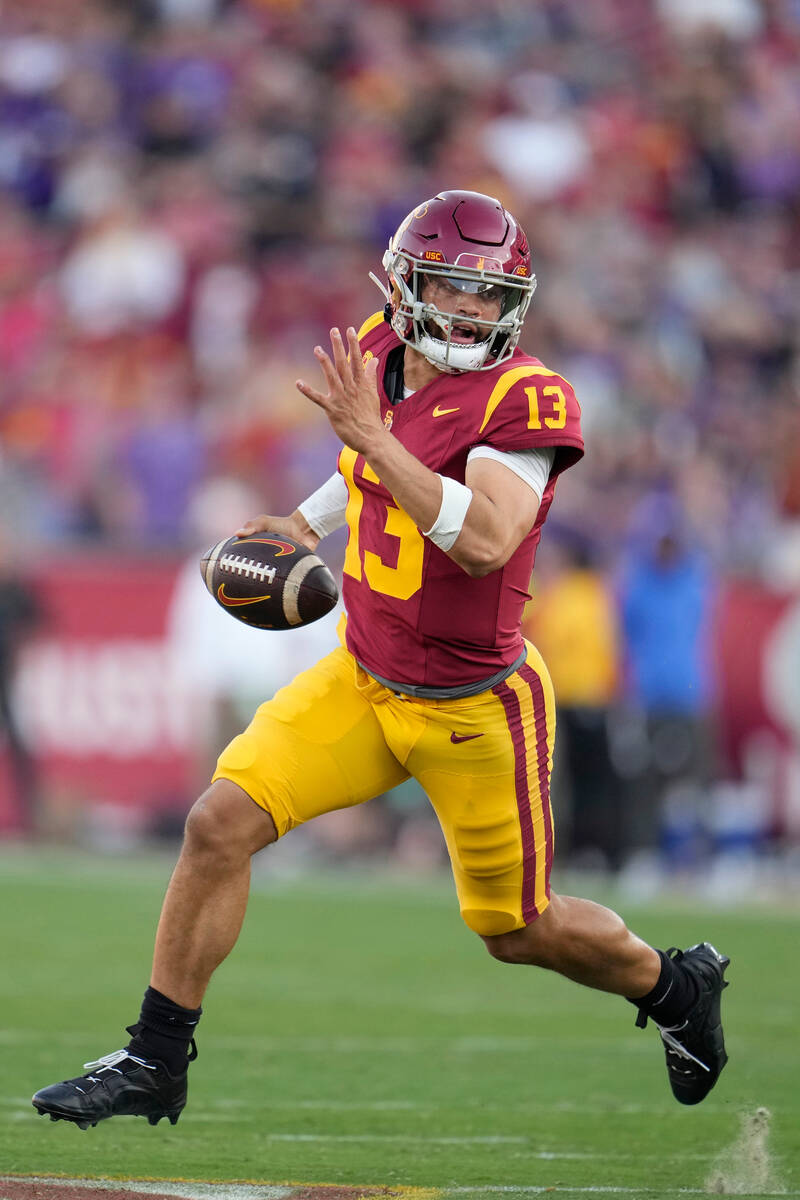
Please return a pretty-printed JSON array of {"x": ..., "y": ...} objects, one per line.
[{"x": 433, "y": 330}]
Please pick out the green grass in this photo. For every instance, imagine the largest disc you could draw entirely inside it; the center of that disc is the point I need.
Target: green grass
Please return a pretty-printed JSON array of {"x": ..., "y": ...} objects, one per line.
[{"x": 360, "y": 1034}]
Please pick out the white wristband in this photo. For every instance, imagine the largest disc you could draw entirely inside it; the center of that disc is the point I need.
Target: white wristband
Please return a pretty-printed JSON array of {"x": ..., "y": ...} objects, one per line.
[
  {"x": 325, "y": 508},
  {"x": 456, "y": 499}
]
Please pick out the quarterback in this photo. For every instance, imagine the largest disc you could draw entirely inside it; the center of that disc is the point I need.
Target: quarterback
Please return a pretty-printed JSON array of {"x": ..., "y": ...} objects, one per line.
[{"x": 453, "y": 441}]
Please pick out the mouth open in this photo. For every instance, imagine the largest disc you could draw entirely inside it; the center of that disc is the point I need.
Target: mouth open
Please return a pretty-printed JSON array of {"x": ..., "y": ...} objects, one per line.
[{"x": 465, "y": 333}]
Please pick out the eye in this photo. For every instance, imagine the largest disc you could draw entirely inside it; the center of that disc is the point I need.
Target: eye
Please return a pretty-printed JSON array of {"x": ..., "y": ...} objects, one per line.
[{"x": 446, "y": 287}]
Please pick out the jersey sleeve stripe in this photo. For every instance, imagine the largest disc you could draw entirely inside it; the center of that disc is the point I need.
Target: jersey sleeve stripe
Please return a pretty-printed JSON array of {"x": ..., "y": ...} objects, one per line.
[
  {"x": 505, "y": 384},
  {"x": 370, "y": 324}
]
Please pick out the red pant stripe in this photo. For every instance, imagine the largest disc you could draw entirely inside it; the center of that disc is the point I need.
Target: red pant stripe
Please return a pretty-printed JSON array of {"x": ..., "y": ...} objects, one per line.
[
  {"x": 511, "y": 705},
  {"x": 542, "y": 755}
]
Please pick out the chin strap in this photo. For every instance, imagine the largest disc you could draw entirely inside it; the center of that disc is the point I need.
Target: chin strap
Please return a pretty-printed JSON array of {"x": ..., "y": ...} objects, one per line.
[{"x": 382, "y": 288}]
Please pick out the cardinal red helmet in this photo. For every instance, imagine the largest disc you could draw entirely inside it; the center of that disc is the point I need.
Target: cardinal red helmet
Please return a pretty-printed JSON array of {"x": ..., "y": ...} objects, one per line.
[{"x": 456, "y": 246}]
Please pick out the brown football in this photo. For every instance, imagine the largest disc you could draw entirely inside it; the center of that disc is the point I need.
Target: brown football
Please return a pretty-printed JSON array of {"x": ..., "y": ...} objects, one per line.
[{"x": 269, "y": 581}]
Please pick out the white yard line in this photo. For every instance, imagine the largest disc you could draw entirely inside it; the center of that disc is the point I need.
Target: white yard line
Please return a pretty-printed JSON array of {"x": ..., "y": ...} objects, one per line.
[{"x": 182, "y": 1191}]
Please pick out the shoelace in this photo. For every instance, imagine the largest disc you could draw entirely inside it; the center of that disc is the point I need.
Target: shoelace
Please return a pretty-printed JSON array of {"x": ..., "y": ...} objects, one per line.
[
  {"x": 108, "y": 1062},
  {"x": 677, "y": 1047}
]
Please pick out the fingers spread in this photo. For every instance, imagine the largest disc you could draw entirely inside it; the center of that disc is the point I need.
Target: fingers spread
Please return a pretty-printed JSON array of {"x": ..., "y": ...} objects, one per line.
[
  {"x": 343, "y": 367},
  {"x": 356, "y": 361},
  {"x": 311, "y": 393}
]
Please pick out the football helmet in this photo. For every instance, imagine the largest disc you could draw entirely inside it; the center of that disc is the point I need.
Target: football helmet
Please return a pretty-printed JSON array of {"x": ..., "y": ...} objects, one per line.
[{"x": 460, "y": 281}]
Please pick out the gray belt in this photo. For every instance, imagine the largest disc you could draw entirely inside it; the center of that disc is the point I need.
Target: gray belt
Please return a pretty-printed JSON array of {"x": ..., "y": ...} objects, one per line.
[{"x": 449, "y": 693}]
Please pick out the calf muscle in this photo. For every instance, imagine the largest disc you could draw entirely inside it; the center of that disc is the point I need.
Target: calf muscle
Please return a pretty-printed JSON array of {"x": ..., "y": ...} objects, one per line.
[
  {"x": 207, "y": 895},
  {"x": 584, "y": 942}
]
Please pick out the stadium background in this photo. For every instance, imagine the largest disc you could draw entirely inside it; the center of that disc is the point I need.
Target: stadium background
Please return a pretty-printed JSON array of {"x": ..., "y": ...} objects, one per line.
[{"x": 192, "y": 192}]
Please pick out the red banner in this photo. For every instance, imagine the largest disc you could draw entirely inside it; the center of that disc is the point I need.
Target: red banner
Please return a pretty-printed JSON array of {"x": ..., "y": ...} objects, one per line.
[
  {"x": 757, "y": 652},
  {"x": 97, "y": 700}
]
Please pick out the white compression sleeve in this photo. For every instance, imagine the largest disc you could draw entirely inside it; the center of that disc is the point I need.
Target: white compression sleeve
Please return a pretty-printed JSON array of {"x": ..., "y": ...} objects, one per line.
[
  {"x": 325, "y": 508},
  {"x": 456, "y": 498},
  {"x": 532, "y": 465}
]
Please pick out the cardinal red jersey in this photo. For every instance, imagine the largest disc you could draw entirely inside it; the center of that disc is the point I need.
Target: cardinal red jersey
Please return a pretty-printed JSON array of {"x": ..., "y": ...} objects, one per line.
[{"x": 413, "y": 615}]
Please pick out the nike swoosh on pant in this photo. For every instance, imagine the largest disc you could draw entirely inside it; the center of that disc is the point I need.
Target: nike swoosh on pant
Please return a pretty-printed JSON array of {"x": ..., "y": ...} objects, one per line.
[{"x": 467, "y": 737}]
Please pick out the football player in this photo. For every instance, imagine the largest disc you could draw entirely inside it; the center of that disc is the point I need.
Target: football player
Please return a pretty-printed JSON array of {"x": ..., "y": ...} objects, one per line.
[{"x": 453, "y": 442}]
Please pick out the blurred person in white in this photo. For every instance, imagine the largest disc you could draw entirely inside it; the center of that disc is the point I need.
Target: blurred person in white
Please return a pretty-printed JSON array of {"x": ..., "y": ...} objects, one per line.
[
  {"x": 225, "y": 667},
  {"x": 188, "y": 11},
  {"x": 124, "y": 273},
  {"x": 540, "y": 148},
  {"x": 225, "y": 299},
  {"x": 735, "y": 18}
]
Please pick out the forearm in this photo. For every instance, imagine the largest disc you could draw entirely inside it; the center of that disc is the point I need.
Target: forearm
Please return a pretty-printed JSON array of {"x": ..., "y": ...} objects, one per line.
[
  {"x": 481, "y": 546},
  {"x": 416, "y": 488}
]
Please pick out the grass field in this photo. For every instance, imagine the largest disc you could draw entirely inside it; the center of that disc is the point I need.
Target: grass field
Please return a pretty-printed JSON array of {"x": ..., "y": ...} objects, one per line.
[{"x": 359, "y": 1034}]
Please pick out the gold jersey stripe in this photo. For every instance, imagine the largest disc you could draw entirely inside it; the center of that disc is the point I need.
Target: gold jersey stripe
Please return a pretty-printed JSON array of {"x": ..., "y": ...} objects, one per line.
[{"x": 370, "y": 324}]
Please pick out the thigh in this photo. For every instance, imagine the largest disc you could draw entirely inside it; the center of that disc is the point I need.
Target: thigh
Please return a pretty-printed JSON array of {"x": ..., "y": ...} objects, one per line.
[
  {"x": 315, "y": 747},
  {"x": 485, "y": 764}
]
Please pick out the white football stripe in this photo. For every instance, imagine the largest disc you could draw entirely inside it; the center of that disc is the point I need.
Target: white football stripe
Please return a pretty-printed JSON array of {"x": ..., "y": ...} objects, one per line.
[
  {"x": 291, "y": 588},
  {"x": 211, "y": 563}
]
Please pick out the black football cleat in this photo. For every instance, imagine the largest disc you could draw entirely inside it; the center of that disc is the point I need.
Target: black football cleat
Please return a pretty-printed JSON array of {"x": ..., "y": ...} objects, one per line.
[
  {"x": 117, "y": 1084},
  {"x": 696, "y": 1048}
]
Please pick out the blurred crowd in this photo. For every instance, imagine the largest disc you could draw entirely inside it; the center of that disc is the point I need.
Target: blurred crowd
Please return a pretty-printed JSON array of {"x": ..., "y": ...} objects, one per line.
[{"x": 193, "y": 191}]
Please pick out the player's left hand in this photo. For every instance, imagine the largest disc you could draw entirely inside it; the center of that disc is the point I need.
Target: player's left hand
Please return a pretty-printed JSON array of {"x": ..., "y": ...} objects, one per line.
[{"x": 351, "y": 403}]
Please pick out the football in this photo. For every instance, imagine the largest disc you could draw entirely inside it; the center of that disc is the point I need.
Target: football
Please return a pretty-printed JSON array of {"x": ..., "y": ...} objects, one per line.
[{"x": 269, "y": 581}]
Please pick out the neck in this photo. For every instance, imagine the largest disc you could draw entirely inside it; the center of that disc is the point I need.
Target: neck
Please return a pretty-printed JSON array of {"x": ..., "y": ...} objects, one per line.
[{"x": 417, "y": 371}]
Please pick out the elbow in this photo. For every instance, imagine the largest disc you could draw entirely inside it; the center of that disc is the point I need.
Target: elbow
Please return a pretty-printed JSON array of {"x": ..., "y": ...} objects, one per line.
[{"x": 480, "y": 561}]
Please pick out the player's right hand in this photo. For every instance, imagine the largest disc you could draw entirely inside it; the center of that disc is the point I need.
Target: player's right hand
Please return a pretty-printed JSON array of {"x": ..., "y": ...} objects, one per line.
[{"x": 294, "y": 525}]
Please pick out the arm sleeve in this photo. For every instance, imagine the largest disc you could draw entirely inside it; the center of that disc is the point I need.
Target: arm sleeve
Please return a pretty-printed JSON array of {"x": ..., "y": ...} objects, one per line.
[
  {"x": 534, "y": 466},
  {"x": 325, "y": 508}
]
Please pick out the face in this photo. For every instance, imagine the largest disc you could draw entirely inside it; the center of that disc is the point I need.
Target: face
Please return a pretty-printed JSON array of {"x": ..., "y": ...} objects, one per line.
[{"x": 469, "y": 307}]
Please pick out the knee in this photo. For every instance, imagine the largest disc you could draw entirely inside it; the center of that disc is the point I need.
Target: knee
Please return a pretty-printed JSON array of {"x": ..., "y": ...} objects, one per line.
[
  {"x": 513, "y": 947},
  {"x": 225, "y": 824},
  {"x": 536, "y": 944}
]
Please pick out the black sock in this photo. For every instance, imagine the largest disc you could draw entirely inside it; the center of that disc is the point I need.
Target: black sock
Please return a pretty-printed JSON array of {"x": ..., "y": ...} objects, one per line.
[
  {"x": 674, "y": 994},
  {"x": 164, "y": 1031}
]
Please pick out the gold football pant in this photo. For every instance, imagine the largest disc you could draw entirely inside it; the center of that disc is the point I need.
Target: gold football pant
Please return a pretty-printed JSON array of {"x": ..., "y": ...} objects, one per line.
[{"x": 334, "y": 737}]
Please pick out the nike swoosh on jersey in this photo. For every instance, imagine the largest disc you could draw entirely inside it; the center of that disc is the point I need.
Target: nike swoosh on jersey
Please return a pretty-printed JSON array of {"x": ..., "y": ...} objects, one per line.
[
  {"x": 442, "y": 412},
  {"x": 455, "y": 738}
]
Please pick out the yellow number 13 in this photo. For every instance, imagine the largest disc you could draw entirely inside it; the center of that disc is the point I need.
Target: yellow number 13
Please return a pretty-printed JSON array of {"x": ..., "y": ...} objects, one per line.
[
  {"x": 559, "y": 401},
  {"x": 401, "y": 581}
]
